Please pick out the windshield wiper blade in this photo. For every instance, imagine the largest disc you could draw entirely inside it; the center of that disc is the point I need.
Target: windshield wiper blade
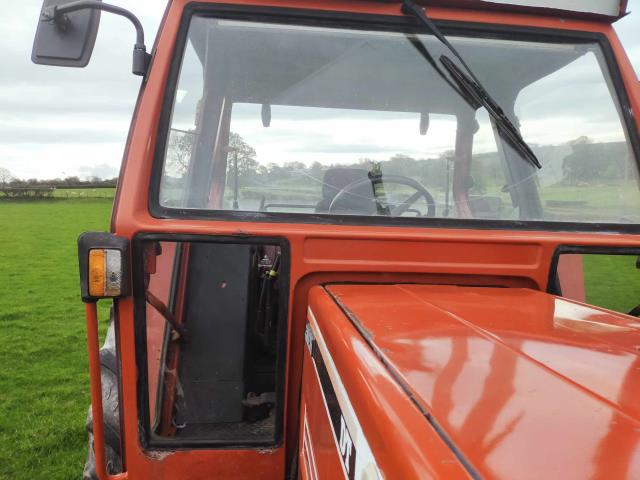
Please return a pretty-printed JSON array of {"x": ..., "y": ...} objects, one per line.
[
  {"x": 471, "y": 88},
  {"x": 480, "y": 97}
]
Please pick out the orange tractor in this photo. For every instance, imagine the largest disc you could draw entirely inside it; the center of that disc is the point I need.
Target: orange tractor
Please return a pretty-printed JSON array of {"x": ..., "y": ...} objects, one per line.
[{"x": 353, "y": 239}]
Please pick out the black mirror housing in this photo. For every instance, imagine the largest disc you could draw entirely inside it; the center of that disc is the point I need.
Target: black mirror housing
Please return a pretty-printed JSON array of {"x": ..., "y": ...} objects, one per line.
[
  {"x": 65, "y": 44},
  {"x": 67, "y": 33}
]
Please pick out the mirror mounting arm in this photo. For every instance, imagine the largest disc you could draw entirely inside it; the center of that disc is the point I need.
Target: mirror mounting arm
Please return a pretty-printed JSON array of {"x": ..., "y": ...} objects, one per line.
[{"x": 58, "y": 15}]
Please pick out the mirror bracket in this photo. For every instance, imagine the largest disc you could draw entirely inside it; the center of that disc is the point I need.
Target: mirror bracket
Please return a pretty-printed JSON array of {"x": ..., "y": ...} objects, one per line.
[
  {"x": 57, "y": 14},
  {"x": 51, "y": 15}
]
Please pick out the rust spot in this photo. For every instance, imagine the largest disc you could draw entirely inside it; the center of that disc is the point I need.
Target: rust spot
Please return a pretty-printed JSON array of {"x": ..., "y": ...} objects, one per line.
[
  {"x": 266, "y": 451},
  {"x": 157, "y": 455}
]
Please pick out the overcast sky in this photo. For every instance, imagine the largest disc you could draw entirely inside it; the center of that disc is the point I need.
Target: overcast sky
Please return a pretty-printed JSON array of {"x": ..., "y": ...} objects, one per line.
[{"x": 57, "y": 122}]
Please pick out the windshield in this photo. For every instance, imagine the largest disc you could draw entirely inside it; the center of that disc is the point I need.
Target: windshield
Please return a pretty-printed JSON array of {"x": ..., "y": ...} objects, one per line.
[{"x": 278, "y": 118}]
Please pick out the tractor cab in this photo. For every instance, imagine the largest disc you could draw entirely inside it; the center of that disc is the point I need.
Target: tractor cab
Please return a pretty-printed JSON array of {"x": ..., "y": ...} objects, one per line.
[{"x": 356, "y": 239}]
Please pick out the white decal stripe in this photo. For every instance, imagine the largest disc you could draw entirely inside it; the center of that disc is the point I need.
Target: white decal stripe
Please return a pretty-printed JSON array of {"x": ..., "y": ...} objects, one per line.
[
  {"x": 305, "y": 453},
  {"x": 311, "y": 456},
  {"x": 326, "y": 407},
  {"x": 365, "y": 461}
]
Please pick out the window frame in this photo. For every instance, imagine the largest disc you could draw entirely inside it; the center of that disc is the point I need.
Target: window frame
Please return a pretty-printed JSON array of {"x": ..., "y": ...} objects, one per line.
[
  {"x": 289, "y": 16},
  {"x": 148, "y": 440},
  {"x": 553, "y": 287}
]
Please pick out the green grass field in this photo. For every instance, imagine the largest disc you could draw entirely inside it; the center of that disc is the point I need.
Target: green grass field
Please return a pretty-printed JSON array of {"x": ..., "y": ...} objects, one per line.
[
  {"x": 44, "y": 391},
  {"x": 93, "y": 193},
  {"x": 43, "y": 362},
  {"x": 612, "y": 281}
]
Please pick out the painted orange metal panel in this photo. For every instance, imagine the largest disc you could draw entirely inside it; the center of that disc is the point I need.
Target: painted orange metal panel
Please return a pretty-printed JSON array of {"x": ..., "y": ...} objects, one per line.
[
  {"x": 571, "y": 277},
  {"x": 527, "y": 385},
  {"x": 159, "y": 285},
  {"x": 318, "y": 447},
  {"x": 131, "y": 216},
  {"x": 403, "y": 443}
]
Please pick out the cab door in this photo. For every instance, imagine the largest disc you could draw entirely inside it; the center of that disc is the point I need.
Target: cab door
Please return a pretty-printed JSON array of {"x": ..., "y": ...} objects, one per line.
[{"x": 210, "y": 315}]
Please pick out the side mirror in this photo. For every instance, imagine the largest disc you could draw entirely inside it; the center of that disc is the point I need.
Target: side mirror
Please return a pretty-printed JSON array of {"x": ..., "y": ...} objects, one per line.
[
  {"x": 66, "y": 43},
  {"x": 67, "y": 33}
]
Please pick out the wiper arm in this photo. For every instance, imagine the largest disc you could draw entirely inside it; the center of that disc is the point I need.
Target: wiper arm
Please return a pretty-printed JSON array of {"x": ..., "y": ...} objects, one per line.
[
  {"x": 471, "y": 88},
  {"x": 478, "y": 96}
]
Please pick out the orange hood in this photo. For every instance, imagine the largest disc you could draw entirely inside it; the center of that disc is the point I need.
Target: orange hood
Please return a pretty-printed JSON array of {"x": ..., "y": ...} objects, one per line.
[{"x": 525, "y": 384}]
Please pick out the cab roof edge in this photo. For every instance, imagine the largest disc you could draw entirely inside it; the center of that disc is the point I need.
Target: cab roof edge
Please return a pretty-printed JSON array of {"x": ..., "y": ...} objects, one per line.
[{"x": 607, "y": 11}]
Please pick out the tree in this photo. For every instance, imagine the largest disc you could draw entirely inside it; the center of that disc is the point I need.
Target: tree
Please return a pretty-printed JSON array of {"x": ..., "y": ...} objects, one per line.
[
  {"x": 246, "y": 158},
  {"x": 295, "y": 166},
  {"x": 276, "y": 173},
  {"x": 5, "y": 176},
  {"x": 179, "y": 151},
  {"x": 316, "y": 170},
  {"x": 434, "y": 172},
  {"x": 585, "y": 163},
  {"x": 401, "y": 164}
]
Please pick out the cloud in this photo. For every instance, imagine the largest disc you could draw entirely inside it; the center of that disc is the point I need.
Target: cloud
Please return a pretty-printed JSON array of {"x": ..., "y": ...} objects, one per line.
[
  {"x": 56, "y": 121},
  {"x": 51, "y": 128},
  {"x": 101, "y": 171}
]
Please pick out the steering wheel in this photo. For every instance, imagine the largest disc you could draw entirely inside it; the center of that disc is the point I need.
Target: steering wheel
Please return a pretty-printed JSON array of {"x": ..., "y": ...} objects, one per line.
[{"x": 397, "y": 210}]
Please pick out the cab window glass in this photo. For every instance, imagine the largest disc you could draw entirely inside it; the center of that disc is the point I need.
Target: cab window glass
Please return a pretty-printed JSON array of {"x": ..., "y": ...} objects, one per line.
[
  {"x": 607, "y": 281},
  {"x": 266, "y": 121}
]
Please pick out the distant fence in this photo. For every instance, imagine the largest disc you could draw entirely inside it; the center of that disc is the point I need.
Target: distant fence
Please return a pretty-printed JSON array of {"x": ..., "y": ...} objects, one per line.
[
  {"x": 27, "y": 192},
  {"x": 48, "y": 192}
]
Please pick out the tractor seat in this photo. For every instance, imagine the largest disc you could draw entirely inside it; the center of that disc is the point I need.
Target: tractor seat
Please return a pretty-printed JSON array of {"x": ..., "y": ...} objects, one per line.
[{"x": 358, "y": 201}]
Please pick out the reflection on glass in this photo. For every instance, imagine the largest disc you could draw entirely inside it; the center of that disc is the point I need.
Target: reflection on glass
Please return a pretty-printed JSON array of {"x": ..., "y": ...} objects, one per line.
[
  {"x": 359, "y": 124},
  {"x": 608, "y": 281}
]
